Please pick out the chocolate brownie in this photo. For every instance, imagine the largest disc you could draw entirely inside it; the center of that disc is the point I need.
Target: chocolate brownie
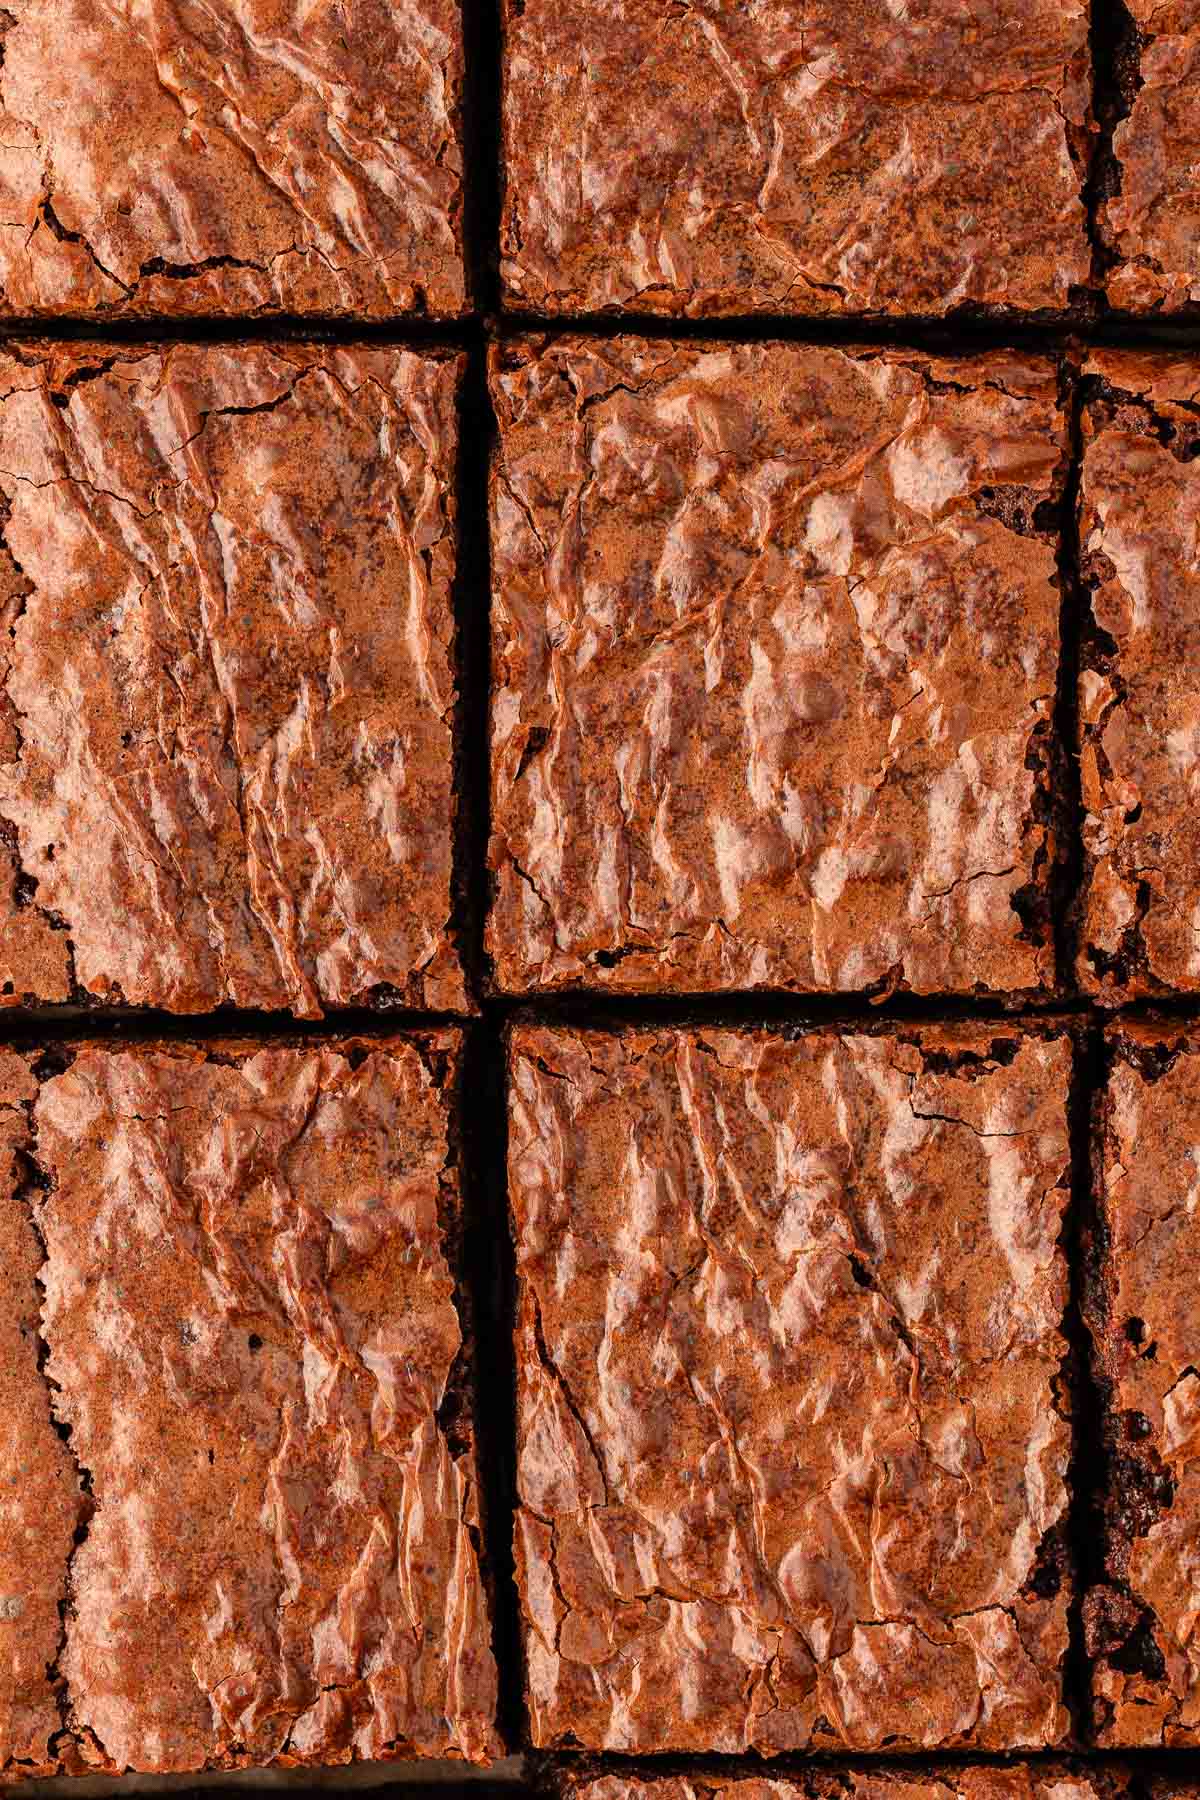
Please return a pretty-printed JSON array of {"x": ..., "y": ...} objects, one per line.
[
  {"x": 775, "y": 641},
  {"x": 241, "y": 158},
  {"x": 806, "y": 156},
  {"x": 226, "y": 690},
  {"x": 1149, "y": 220},
  {"x": 1139, "y": 694},
  {"x": 1145, "y": 1321},
  {"x": 41, "y": 1502},
  {"x": 1052, "y": 1780},
  {"x": 793, "y": 1431},
  {"x": 250, "y": 1309}
]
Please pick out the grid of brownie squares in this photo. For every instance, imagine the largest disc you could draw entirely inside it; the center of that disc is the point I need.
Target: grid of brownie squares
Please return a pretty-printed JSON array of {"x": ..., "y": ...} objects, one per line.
[{"x": 849, "y": 1411}]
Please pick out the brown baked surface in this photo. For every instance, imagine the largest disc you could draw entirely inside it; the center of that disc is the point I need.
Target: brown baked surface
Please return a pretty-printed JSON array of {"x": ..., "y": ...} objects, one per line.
[
  {"x": 250, "y": 1307},
  {"x": 1139, "y": 695},
  {"x": 775, "y": 641},
  {"x": 792, "y": 1438},
  {"x": 1144, "y": 1316},
  {"x": 802, "y": 156},
  {"x": 1149, "y": 224},
  {"x": 1052, "y": 1780},
  {"x": 181, "y": 159},
  {"x": 227, "y": 691}
]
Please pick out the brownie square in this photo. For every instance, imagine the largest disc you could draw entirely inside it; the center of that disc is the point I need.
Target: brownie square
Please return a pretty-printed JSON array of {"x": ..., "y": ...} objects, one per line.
[
  {"x": 238, "y": 160},
  {"x": 1144, "y": 1316},
  {"x": 807, "y": 156},
  {"x": 256, "y": 1350},
  {"x": 1139, "y": 691},
  {"x": 1149, "y": 220},
  {"x": 1050, "y": 1780},
  {"x": 792, "y": 1426},
  {"x": 775, "y": 640},
  {"x": 226, "y": 691}
]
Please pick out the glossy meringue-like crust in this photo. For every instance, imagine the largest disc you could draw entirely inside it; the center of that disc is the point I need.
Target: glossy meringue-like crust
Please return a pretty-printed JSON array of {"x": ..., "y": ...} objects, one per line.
[
  {"x": 169, "y": 157},
  {"x": 775, "y": 639},
  {"x": 802, "y": 156},
  {"x": 1144, "y": 1320},
  {"x": 252, "y": 1327},
  {"x": 227, "y": 703},
  {"x": 1151, "y": 224},
  {"x": 40, "y": 1498},
  {"x": 791, "y": 1458},
  {"x": 1139, "y": 690},
  {"x": 945, "y": 1781}
]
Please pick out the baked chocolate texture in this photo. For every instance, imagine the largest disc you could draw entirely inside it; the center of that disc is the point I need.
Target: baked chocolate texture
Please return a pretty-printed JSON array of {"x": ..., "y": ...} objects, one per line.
[
  {"x": 1144, "y": 1315},
  {"x": 775, "y": 642},
  {"x": 811, "y": 156},
  {"x": 1139, "y": 695},
  {"x": 1149, "y": 220},
  {"x": 226, "y": 689},
  {"x": 793, "y": 1433},
  {"x": 238, "y": 159},
  {"x": 258, "y": 1515},
  {"x": 1043, "y": 1780}
]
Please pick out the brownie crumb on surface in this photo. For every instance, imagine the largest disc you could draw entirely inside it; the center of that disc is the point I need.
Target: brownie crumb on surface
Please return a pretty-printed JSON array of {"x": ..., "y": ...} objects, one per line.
[
  {"x": 226, "y": 680},
  {"x": 254, "y": 1349},
  {"x": 1144, "y": 1317},
  {"x": 793, "y": 1432},
  {"x": 826, "y": 157},
  {"x": 775, "y": 644}
]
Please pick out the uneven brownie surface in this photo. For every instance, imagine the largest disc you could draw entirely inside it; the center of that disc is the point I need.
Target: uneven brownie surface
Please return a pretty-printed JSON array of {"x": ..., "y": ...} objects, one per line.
[
  {"x": 816, "y": 158},
  {"x": 41, "y": 1501},
  {"x": 186, "y": 159},
  {"x": 1150, "y": 222},
  {"x": 1144, "y": 1318},
  {"x": 943, "y": 1781},
  {"x": 226, "y": 702},
  {"x": 254, "y": 1339},
  {"x": 775, "y": 637},
  {"x": 792, "y": 1448},
  {"x": 1139, "y": 697}
]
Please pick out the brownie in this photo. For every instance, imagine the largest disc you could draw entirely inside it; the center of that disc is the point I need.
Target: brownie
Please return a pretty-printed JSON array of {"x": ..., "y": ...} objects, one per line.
[
  {"x": 40, "y": 1499},
  {"x": 808, "y": 156},
  {"x": 231, "y": 159},
  {"x": 793, "y": 1432},
  {"x": 1144, "y": 1313},
  {"x": 1149, "y": 219},
  {"x": 775, "y": 641},
  {"x": 1052, "y": 1780},
  {"x": 1139, "y": 692},
  {"x": 226, "y": 692},
  {"x": 256, "y": 1353}
]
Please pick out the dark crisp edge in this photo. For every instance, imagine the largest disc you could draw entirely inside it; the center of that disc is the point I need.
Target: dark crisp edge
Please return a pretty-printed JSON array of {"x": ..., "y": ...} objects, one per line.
[{"x": 1131, "y": 1489}]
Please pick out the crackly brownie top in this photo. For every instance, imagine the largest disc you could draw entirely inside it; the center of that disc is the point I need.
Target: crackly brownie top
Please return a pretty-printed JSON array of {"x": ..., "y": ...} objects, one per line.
[
  {"x": 172, "y": 157},
  {"x": 1028, "y": 1781},
  {"x": 253, "y": 1334},
  {"x": 1150, "y": 221},
  {"x": 775, "y": 644},
  {"x": 1139, "y": 687},
  {"x": 815, "y": 157},
  {"x": 225, "y": 710},
  {"x": 792, "y": 1457},
  {"x": 1145, "y": 1319}
]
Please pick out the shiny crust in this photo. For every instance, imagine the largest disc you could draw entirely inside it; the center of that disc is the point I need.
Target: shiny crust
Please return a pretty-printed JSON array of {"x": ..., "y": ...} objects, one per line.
[
  {"x": 1144, "y": 1319},
  {"x": 1042, "y": 1781},
  {"x": 1139, "y": 691},
  {"x": 1151, "y": 223},
  {"x": 791, "y": 1456},
  {"x": 252, "y": 1327},
  {"x": 775, "y": 637},
  {"x": 174, "y": 158},
  {"x": 40, "y": 1497},
  {"x": 226, "y": 710},
  {"x": 794, "y": 156}
]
